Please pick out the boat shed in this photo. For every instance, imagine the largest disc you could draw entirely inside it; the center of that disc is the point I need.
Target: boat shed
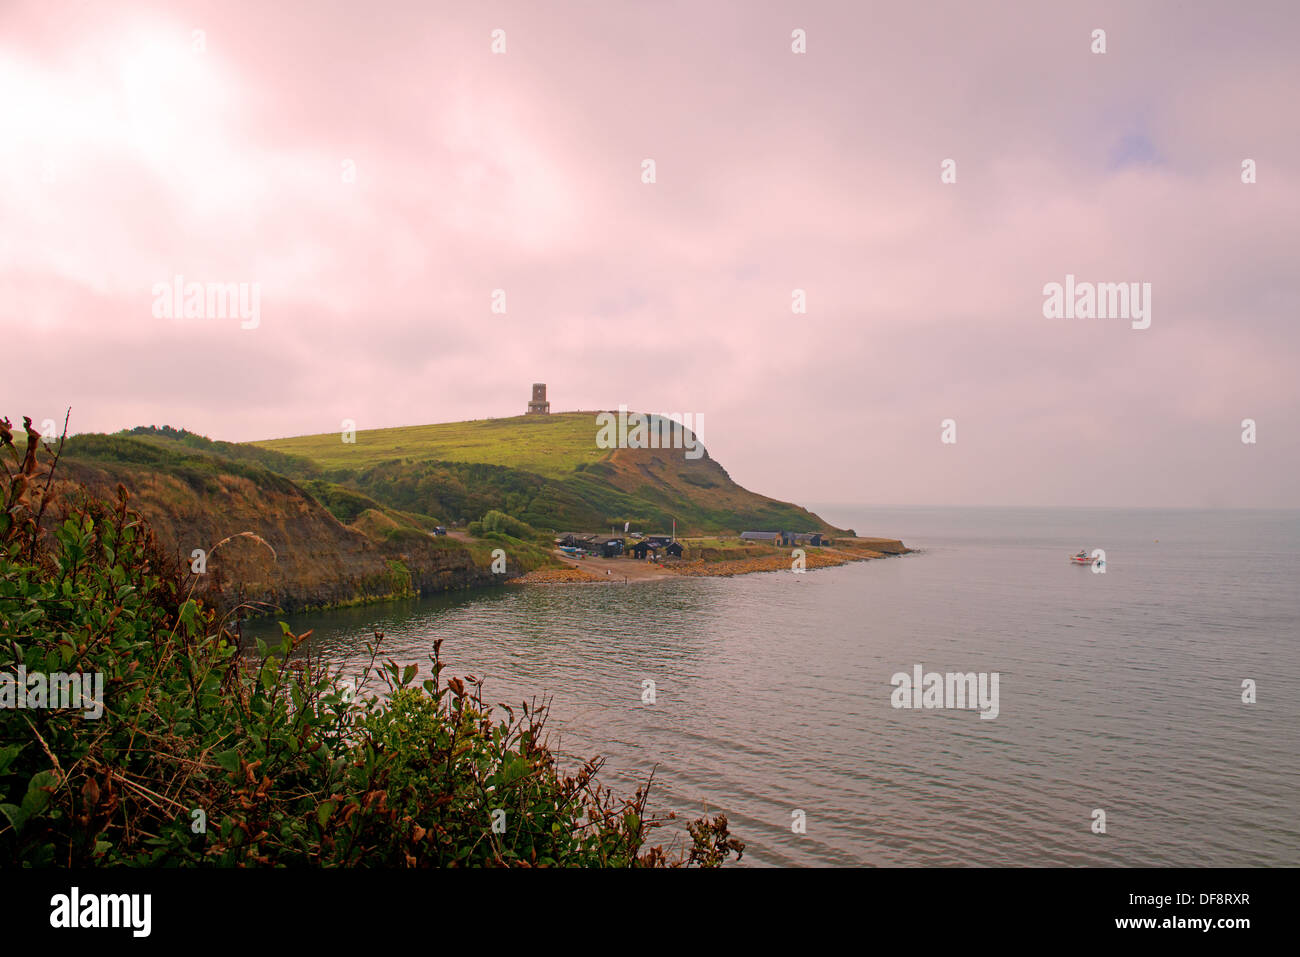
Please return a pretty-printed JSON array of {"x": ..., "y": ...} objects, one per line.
[{"x": 608, "y": 546}]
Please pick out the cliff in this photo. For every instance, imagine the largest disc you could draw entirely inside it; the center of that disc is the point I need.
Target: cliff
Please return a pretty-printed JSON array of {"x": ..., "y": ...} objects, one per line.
[
  {"x": 270, "y": 543},
  {"x": 315, "y": 521}
]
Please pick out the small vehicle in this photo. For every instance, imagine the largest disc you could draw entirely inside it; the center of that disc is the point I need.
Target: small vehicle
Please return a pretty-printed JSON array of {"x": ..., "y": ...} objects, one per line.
[{"x": 439, "y": 530}]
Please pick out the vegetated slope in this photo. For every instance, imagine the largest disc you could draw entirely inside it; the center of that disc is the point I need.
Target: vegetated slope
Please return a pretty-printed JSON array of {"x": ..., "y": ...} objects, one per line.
[
  {"x": 284, "y": 547},
  {"x": 543, "y": 469},
  {"x": 547, "y": 445}
]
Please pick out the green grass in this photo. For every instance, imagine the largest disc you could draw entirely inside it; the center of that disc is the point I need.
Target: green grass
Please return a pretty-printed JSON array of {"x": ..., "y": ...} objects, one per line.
[
  {"x": 724, "y": 549},
  {"x": 174, "y": 439},
  {"x": 737, "y": 545},
  {"x": 197, "y": 467},
  {"x": 548, "y": 445}
]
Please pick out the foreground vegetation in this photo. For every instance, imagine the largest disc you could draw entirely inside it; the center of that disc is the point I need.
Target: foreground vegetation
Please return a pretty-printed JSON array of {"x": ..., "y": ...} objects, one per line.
[{"x": 211, "y": 753}]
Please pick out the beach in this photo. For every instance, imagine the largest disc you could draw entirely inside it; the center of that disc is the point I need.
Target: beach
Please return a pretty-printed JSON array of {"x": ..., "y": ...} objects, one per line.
[{"x": 708, "y": 562}]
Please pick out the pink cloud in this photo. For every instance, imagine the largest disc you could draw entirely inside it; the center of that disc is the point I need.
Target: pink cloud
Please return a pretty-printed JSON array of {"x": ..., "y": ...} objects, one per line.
[{"x": 130, "y": 156}]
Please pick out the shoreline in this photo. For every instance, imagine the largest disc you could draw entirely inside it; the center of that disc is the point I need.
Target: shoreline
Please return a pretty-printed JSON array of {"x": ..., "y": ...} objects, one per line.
[{"x": 623, "y": 570}]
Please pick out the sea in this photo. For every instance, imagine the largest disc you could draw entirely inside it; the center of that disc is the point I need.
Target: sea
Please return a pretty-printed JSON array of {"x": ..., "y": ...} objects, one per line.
[{"x": 1148, "y": 708}]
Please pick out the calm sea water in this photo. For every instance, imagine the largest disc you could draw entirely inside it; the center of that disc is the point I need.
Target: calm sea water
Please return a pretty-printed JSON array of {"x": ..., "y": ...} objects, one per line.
[{"x": 1119, "y": 691}]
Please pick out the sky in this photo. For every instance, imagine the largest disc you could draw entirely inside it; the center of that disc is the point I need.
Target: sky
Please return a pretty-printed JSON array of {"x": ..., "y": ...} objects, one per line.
[{"x": 380, "y": 172}]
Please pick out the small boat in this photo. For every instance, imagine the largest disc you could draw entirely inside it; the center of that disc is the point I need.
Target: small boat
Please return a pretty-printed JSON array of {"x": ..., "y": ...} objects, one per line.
[{"x": 1081, "y": 558}]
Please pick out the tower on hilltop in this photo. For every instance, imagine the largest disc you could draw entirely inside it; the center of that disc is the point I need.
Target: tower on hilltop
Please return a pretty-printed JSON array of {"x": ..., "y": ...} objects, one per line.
[{"x": 539, "y": 405}]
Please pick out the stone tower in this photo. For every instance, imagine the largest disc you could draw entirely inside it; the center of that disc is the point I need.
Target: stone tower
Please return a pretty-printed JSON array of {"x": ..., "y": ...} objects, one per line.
[{"x": 539, "y": 405}]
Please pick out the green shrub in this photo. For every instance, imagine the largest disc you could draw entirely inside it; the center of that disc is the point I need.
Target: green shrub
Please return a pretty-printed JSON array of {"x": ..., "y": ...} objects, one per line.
[
  {"x": 404, "y": 535},
  {"x": 343, "y": 503},
  {"x": 497, "y": 521}
]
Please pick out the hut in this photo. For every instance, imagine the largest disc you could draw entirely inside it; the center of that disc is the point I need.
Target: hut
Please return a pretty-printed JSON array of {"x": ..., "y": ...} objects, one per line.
[
  {"x": 808, "y": 538},
  {"x": 608, "y": 546}
]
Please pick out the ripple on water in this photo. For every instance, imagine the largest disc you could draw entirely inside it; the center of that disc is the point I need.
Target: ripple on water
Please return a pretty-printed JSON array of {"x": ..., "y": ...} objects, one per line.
[{"x": 1119, "y": 692}]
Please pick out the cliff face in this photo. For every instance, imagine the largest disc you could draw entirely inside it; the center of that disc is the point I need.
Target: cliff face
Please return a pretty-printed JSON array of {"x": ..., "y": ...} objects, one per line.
[{"x": 269, "y": 543}]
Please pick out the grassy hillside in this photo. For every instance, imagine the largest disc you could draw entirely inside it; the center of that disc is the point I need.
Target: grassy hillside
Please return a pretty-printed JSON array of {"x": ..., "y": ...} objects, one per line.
[
  {"x": 314, "y": 521},
  {"x": 288, "y": 543},
  {"x": 332, "y": 523},
  {"x": 547, "y": 445},
  {"x": 544, "y": 470}
]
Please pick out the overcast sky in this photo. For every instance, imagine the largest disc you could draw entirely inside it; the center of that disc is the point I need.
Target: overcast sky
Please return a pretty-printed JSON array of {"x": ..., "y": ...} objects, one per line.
[{"x": 379, "y": 171}]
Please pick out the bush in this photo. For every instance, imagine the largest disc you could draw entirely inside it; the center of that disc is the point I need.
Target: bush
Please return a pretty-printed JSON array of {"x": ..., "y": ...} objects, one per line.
[
  {"x": 496, "y": 521},
  {"x": 344, "y": 504},
  {"x": 404, "y": 535},
  {"x": 210, "y": 753}
]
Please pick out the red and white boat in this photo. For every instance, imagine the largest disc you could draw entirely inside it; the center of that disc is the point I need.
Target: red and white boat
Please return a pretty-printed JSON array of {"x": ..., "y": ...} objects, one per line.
[{"x": 1081, "y": 558}]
